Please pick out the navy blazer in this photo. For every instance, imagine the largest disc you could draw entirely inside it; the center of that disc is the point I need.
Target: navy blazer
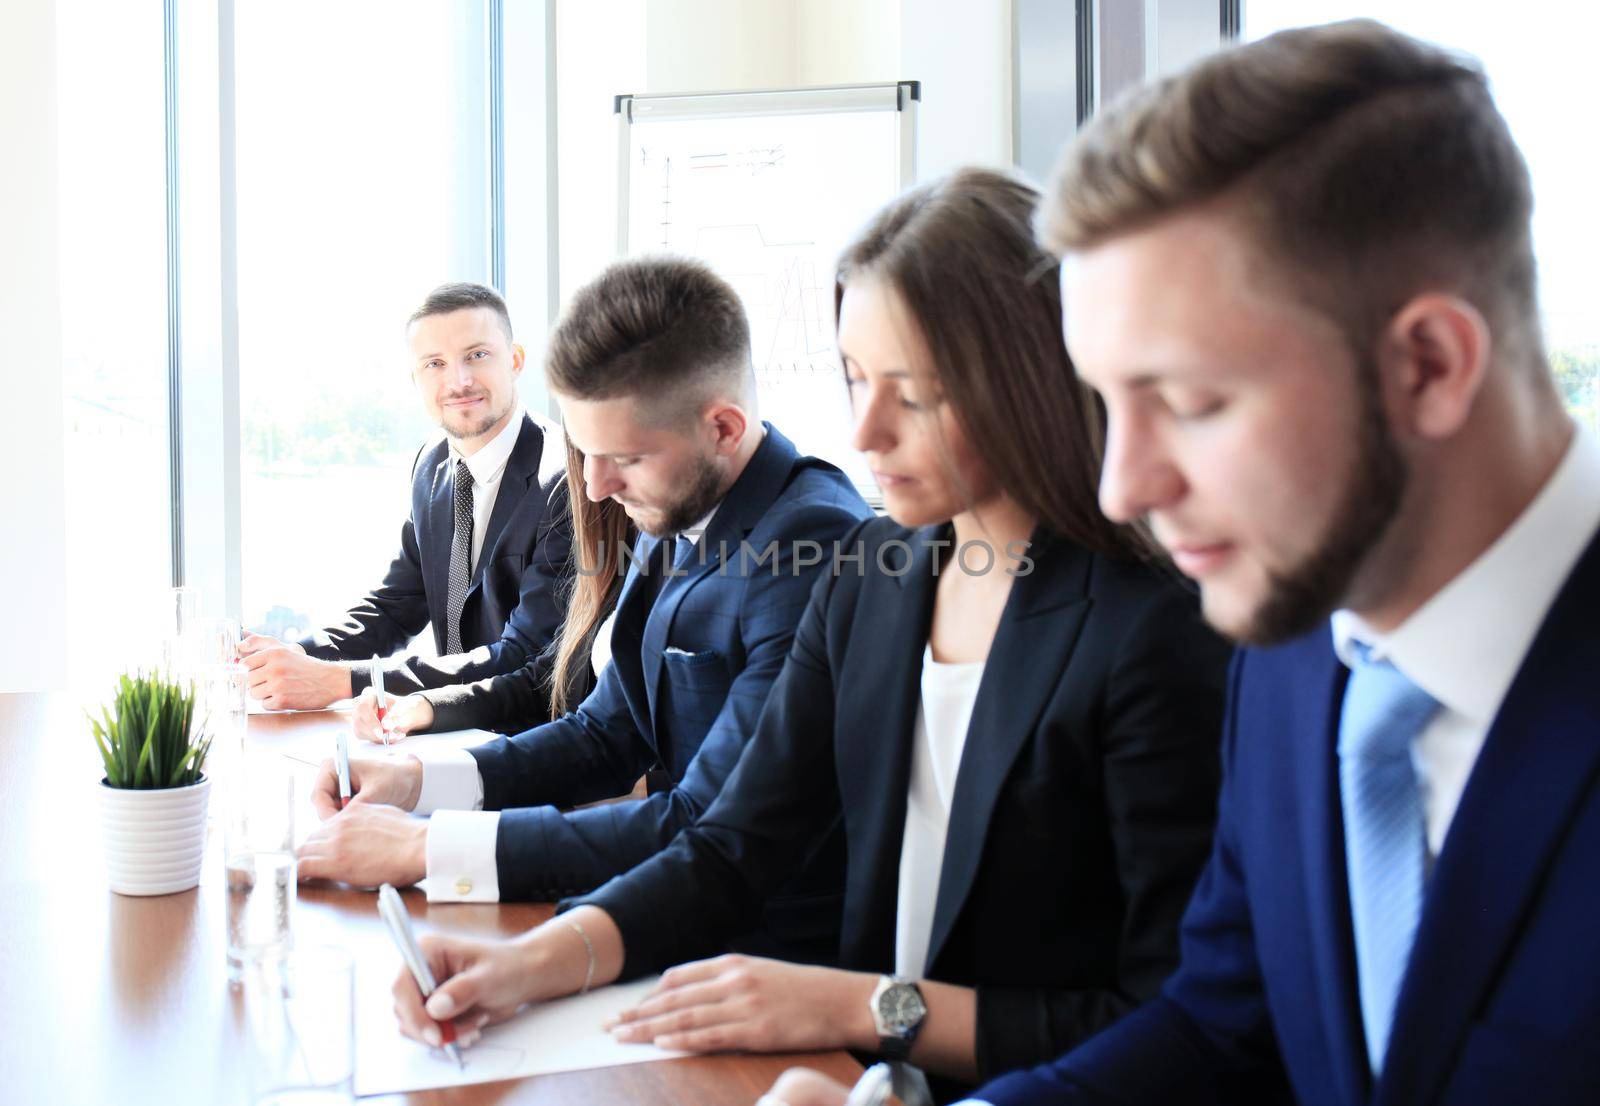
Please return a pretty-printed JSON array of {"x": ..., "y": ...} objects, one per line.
[
  {"x": 1082, "y": 811},
  {"x": 688, "y": 676},
  {"x": 515, "y": 602},
  {"x": 1501, "y": 999}
]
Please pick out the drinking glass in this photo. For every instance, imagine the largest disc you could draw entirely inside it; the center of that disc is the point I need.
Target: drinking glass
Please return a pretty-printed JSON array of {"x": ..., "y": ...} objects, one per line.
[
  {"x": 258, "y": 848},
  {"x": 300, "y": 1014},
  {"x": 224, "y": 712},
  {"x": 180, "y": 625}
]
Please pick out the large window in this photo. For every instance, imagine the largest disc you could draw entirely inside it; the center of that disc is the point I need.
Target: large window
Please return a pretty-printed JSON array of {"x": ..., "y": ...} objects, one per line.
[
  {"x": 362, "y": 183},
  {"x": 112, "y": 241},
  {"x": 1538, "y": 56}
]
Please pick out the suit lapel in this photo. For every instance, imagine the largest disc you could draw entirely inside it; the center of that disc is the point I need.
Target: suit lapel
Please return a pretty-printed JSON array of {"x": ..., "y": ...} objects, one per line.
[
  {"x": 873, "y": 736},
  {"x": 1032, "y": 648},
  {"x": 1313, "y": 725},
  {"x": 1540, "y": 758},
  {"x": 658, "y": 622},
  {"x": 747, "y": 502},
  {"x": 519, "y": 480},
  {"x": 627, "y": 634}
]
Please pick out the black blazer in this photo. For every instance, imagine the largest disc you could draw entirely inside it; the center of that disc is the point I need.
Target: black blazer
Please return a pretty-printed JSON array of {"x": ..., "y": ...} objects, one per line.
[
  {"x": 515, "y": 604},
  {"x": 1082, "y": 812}
]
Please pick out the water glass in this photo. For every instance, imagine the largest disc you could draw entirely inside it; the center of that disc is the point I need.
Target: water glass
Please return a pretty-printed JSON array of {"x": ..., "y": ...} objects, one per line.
[
  {"x": 180, "y": 627},
  {"x": 224, "y": 713},
  {"x": 300, "y": 1017},
  {"x": 258, "y": 848}
]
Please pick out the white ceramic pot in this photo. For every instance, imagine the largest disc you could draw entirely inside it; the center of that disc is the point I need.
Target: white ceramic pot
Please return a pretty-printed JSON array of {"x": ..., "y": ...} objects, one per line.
[{"x": 155, "y": 841}]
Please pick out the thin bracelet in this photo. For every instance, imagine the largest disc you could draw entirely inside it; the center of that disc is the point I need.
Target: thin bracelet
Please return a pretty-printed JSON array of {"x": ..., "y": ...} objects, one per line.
[{"x": 587, "y": 944}]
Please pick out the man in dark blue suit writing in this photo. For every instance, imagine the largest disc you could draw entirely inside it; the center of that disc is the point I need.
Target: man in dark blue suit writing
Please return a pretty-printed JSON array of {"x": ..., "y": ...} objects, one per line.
[
  {"x": 1301, "y": 277},
  {"x": 651, "y": 366}
]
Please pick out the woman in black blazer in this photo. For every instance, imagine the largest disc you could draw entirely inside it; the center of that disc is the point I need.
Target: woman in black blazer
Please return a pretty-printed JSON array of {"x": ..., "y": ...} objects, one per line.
[{"x": 1080, "y": 805}]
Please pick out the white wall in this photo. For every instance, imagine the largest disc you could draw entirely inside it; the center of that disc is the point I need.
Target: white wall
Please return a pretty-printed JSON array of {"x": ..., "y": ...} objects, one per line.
[
  {"x": 600, "y": 53},
  {"x": 961, "y": 52},
  {"x": 720, "y": 45},
  {"x": 32, "y": 551},
  {"x": 631, "y": 46}
]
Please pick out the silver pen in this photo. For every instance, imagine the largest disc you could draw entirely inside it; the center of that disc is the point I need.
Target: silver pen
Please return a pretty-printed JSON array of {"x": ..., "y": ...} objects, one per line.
[
  {"x": 873, "y": 1088},
  {"x": 375, "y": 675},
  {"x": 394, "y": 914}
]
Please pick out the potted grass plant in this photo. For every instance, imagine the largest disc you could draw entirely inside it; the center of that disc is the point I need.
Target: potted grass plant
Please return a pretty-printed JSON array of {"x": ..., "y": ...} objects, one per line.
[{"x": 153, "y": 796}]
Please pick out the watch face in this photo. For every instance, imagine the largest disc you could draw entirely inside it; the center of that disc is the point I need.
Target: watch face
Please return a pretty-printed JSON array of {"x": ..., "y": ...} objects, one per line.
[{"x": 901, "y": 1007}]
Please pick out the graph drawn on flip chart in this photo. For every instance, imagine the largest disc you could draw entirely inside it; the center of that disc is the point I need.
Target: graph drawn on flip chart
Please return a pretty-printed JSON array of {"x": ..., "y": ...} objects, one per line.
[{"x": 768, "y": 188}]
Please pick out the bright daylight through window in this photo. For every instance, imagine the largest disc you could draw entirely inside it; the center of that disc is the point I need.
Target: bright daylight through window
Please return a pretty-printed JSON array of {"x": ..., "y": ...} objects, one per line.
[
  {"x": 361, "y": 186},
  {"x": 1539, "y": 57}
]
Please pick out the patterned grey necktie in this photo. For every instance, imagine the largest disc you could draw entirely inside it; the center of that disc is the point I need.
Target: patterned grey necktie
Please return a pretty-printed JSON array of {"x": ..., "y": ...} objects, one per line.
[{"x": 460, "y": 559}]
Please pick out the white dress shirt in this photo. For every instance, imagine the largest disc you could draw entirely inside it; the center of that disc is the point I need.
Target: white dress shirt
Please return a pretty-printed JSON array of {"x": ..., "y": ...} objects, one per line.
[
  {"x": 1465, "y": 644},
  {"x": 461, "y": 834},
  {"x": 939, "y": 735}
]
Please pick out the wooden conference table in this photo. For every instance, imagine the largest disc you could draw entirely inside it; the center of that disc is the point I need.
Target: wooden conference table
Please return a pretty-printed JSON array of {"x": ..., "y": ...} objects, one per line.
[{"x": 106, "y": 998}]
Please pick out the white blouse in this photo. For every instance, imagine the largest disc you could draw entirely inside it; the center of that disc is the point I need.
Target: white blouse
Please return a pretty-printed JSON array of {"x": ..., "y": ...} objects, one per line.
[{"x": 943, "y": 713}]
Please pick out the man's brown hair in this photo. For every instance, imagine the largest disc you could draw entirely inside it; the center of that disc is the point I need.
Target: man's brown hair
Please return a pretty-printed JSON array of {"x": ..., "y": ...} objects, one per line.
[
  {"x": 666, "y": 331},
  {"x": 1368, "y": 165},
  {"x": 462, "y": 297},
  {"x": 986, "y": 302}
]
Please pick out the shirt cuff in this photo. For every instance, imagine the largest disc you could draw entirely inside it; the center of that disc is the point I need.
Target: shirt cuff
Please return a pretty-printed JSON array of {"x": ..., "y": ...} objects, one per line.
[
  {"x": 461, "y": 852},
  {"x": 450, "y": 780}
]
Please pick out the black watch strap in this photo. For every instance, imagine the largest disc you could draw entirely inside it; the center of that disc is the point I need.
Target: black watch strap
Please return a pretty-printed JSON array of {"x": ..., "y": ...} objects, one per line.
[{"x": 895, "y": 1048}]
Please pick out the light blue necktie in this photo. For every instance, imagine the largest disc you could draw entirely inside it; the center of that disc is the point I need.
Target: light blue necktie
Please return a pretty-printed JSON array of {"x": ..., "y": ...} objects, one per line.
[{"x": 1385, "y": 839}]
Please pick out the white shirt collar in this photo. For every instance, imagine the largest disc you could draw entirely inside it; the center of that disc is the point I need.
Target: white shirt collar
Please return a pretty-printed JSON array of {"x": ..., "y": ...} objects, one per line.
[
  {"x": 1465, "y": 644},
  {"x": 489, "y": 461},
  {"x": 697, "y": 531}
]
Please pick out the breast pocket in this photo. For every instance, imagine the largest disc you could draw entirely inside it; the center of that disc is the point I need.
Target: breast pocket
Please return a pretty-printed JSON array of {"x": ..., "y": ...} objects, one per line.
[
  {"x": 504, "y": 575},
  {"x": 1501, "y": 1063},
  {"x": 696, "y": 682}
]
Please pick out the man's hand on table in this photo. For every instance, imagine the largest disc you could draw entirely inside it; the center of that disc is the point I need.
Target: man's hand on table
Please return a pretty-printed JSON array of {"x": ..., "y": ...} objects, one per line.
[
  {"x": 284, "y": 678},
  {"x": 373, "y": 782},
  {"x": 365, "y": 845}
]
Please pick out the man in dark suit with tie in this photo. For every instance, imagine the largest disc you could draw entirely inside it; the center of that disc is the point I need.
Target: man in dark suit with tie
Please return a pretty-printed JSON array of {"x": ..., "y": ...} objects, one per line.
[
  {"x": 1301, "y": 277},
  {"x": 651, "y": 366},
  {"x": 483, "y": 551}
]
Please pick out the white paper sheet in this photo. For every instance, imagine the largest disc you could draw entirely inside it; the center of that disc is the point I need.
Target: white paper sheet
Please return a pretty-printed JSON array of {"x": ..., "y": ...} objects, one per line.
[
  {"x": 316, "y": 747},
  {"x": 562, "y": 1035}
]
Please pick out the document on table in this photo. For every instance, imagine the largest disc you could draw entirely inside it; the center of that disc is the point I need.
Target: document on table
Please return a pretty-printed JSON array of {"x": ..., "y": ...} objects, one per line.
[
  {"x": 561, "y": 1035},
  {"x": 317, "y": 746}
]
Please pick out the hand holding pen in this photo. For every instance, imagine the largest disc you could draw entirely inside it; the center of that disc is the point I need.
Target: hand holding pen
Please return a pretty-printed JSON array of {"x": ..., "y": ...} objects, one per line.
[
  {"x": 375, "y": 677},
  {"x": 393, "y": 912},
  {"x": 402, "y": 715}
]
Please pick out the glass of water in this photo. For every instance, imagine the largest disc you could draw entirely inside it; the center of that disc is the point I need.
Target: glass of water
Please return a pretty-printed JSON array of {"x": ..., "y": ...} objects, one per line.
[
  {"x": 300, "y": 1015},
  {"x": 180, "y": 631},
  {"x": 258, "y": 846}
]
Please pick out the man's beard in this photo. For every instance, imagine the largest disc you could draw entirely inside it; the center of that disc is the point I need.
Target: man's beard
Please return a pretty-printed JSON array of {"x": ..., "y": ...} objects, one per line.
[
  {"x": 479, "y": 426},
  {"x": 702, "y": 488},
  {"x": 1306, "y": 594}
]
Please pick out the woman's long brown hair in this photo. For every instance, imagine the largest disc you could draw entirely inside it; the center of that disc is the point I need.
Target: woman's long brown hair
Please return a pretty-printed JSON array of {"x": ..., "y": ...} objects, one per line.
[
  {"x": 599, "y": 533},
  {"x": 986, "y": 301}
]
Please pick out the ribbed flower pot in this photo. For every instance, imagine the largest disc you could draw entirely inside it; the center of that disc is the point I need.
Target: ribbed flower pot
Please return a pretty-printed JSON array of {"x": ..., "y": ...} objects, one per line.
[{"x": 155, "y": 841}]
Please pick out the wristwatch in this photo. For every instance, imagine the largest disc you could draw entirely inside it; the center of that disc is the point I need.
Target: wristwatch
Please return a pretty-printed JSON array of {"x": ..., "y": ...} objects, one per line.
[{"x": 897, "y": 1011}]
